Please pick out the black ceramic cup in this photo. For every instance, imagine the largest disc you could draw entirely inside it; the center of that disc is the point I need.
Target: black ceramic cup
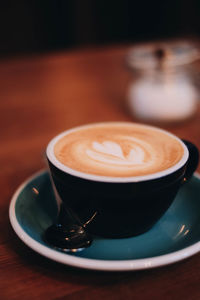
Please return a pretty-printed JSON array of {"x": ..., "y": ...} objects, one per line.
[{"x": 116, "y": 208}]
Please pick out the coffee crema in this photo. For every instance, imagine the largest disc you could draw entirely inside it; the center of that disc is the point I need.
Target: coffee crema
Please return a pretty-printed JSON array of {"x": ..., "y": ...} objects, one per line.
[{"x": 118, "y": 150}]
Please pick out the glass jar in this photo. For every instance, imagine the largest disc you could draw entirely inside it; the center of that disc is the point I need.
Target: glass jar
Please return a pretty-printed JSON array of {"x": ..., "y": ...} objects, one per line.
[{"x": 163, "y": 86}]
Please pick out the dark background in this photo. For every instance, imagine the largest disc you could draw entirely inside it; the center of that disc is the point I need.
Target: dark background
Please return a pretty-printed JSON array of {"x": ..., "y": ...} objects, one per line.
[{"x": 36, "y": 26}]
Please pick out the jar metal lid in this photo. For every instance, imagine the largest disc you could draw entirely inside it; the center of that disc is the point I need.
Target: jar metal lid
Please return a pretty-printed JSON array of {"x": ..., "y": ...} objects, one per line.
[{"x": 172, "y": 54}]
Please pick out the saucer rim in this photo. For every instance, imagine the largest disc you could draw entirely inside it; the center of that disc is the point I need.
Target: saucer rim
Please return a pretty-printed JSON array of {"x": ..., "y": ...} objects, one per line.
[{"x": 90, "y": 263}]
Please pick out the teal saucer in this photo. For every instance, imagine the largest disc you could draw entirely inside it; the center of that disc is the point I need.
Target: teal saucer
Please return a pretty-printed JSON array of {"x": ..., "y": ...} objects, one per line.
[{"x": 174, "y": 237}]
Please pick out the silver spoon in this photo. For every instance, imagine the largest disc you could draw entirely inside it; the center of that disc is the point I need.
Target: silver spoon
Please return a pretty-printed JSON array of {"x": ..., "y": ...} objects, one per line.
[{"x": 68, "y": 234}]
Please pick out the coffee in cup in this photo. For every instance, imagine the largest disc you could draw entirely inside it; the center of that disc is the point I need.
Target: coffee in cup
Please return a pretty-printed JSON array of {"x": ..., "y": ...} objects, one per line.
[
  {"x": 119, "y": 178},
  {"x": 118, "y": 150}
]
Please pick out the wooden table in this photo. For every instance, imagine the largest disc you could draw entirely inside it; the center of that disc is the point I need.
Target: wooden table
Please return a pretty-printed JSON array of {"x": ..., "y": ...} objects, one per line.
[{"x": 39, "y": 97}]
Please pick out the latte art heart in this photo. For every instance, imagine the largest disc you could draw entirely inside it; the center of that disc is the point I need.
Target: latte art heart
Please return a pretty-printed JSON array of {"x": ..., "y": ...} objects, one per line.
[
  {"x": 118, "y": 150},
  {"x": 111, "y": 153}
]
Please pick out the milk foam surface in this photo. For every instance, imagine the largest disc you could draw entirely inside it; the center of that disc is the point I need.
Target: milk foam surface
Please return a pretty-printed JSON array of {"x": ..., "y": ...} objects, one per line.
[{"x": 118, "y": 150}]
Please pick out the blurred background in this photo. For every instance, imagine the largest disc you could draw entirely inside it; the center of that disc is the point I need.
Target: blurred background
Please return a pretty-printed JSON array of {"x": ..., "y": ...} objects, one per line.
[{"x": 37, "y": 26}]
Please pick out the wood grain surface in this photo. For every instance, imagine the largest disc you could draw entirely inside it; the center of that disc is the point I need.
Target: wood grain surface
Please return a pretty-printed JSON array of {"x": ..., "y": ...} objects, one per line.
[{"x": 41, "y": 96}]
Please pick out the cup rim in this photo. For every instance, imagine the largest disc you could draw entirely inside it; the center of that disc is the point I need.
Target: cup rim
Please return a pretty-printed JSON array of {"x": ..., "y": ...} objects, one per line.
[{"x": 99, "y": 178}]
